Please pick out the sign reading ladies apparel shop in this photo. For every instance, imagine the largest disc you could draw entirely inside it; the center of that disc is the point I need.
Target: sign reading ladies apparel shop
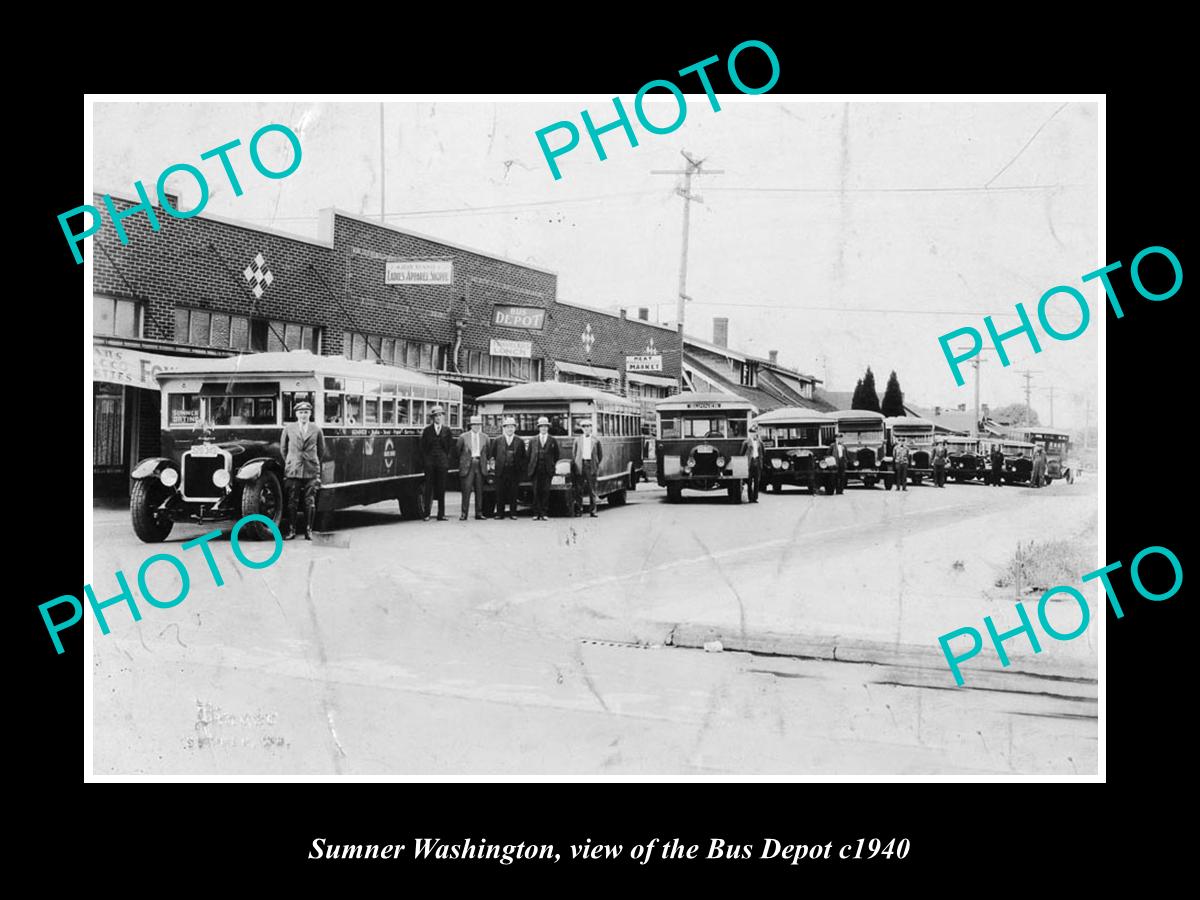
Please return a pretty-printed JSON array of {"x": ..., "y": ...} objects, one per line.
[{"x": 419, "y": 271}]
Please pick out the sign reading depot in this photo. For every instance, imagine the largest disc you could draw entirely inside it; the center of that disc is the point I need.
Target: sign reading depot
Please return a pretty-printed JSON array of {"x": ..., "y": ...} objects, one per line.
[
  {"x": 419, "y": 271},
  {"x": 532, "y": 318}
]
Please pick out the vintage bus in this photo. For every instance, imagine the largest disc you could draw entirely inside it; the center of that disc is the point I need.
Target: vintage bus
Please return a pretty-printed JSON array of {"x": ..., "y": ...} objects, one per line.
[
  {"x": 796, "y": 444},
  {"x": 616, "y": 421},
  {"x": 699, "y": 447},
  {"x": 1057, "y": 445},
  {"x": 919, "y": 434},
  {"x": 865, "y": 435},
  {"x": 221, "y": 424},
  {"x": 966, "y": 462},
  {"x": 1018, "y": 458}
]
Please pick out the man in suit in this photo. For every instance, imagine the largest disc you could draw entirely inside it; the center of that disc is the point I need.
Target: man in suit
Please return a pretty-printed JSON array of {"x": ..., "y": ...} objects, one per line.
[
  {"x": 588, "y": 454},
  {"x": 997, "y": 466},
  {"x": 838, "y": 452},
  {"x": 900, "y": 459},
  {"x": 752, "y": 449},
  {"x": 473, "y": 452},
  {"x": 1038, "y": 478},
  {"x": 508, "y": 451},
  {"x": 302, "y": 446},
  {"x": 543, "y": 456},
  {"x": 941, "y": 456},
  {"x": 437, "y": 443}
]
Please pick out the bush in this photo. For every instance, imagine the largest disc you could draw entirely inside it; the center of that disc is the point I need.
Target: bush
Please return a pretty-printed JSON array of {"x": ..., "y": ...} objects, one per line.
[{"x": 1037, "y": 566}]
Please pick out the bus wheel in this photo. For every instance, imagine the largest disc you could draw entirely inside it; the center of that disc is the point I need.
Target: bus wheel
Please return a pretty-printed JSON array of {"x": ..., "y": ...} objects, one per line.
[
  {"x": 617, "y": 498},
  {"x": 735, "y": 492},
  {"x": 887, "y": 482},
  {"x": 265, "y": 498},
  {"x": 829, "y": 485},
  {"x": 144, "y": 499},
  {"x": 412, "y": 503},
  {"x": 1070, "y": 476},
  {"x": 674, "y": 493}
]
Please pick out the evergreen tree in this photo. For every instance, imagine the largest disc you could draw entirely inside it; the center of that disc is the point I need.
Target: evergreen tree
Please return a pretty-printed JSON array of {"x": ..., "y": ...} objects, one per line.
[
  {"x": 867, "y": 396},
  {"x": 893, "y": 397},
  {"x": 854, "y": 401}
]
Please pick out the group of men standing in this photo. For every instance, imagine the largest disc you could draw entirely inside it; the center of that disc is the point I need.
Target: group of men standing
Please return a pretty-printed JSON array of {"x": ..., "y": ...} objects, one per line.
[{"x": 509, "y": 459}]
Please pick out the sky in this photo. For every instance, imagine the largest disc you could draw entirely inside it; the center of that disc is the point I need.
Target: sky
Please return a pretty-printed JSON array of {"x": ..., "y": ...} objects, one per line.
[{"x": 841, "y": 234}]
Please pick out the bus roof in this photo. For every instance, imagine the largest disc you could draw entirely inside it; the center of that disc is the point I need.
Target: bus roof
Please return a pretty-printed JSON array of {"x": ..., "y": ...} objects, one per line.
[
  {"x": 555, "y": 391},
  {"x": 689, "y": 400},
  {"x": 1011, "y": 443},
  {"x": 915, "y": 421},
  {"x": 845, "y": 415},
  {"x": 795, "y": 415},
  {"x": 1037, "y": 429},
  {"x": 302, "y": 362}
]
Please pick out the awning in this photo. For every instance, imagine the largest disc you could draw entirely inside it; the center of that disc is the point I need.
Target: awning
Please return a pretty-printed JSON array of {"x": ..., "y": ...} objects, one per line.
[
  {"x": 643, "y": 378},
  {"x": 597, "y": 372}
]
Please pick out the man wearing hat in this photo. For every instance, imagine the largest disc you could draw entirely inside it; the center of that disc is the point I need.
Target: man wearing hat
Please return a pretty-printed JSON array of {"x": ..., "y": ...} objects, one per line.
[
  {"x": 940, "y": 458},
  {"x": 302, "y": 446},
  {"x": 900, "y": 460},
  {"x": 473, "y": 451},
  {"x": 543, "y": 456},
  {"x": 752, "y": 449},
  {"x": 838, "y": 452},
  {"x": 508, "y": 451},
  {"x": 588, "y": 454},
  {"x": 436, "y": 446}
]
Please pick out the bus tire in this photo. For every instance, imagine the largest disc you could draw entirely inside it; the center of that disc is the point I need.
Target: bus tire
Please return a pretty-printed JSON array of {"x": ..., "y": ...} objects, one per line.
[
  {"x": 265, "y": 498},
  {"x": 144, "y": 499},
  {"x": 1070, "y": 476},
  {"x": 674, "y": 493},
  {"x": 735, "y": 492},
  {"x": 888, "y": 481}
]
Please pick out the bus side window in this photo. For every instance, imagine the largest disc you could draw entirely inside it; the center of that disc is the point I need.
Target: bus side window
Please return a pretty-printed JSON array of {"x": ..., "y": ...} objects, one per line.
[
  {"x": 669, "y": 427},
  {"x": 290, "y": 399},
  {"x": 333, "y": 409},
  {"x": 388, "y": 416},
  {"x": 737, "y": 428}
]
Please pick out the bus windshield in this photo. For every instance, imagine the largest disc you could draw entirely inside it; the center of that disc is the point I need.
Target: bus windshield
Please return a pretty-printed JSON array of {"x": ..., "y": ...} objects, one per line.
[
  {"x": 706, "y": 426},
  {"x": 799, "y": 435},
  {"x": 852, "y": 436},
  {"x": 240, "y": 410}
]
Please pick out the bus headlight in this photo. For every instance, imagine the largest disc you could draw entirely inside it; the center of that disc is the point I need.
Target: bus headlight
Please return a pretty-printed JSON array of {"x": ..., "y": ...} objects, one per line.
[
  {"x": 776, "y": 463},
  {"x": 169, "y": 477},
  {"x": 562, "y": 467},
  {"x": 720, "y": 462},
  {"x": 828, "y": 462},
  {"x": 691, "y": 463},
  {"x": 786, "y": 464},
  {"x": 220, "y": 477}
]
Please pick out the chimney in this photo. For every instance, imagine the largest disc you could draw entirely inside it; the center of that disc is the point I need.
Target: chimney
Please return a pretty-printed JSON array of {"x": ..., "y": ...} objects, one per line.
[
  {"x": 721, "y": 331},
  {"x": 937, "y": 411},
  {"x": 962, "y": 407},
  {"x": 983, "y": 411},
  {"x": 644, "y": 313},
  {"x": 774, "y": 356},
  {"x": 623, "y": 311}
]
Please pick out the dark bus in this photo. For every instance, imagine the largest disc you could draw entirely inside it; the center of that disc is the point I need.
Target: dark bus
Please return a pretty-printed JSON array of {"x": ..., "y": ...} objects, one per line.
[
  {"x": 221, "y": 424},
  {"x": 865, "y": 435},
  {"x": 1018, "y": 458},
  {"x": 699, "y": 447},
  {"x": 918, "y": 433},
  {"x": 965, "y": 462},
  {"x": 797, "y": 442},
  {"x": 616, "y": 421},
  {"x": 1057, "y": 445}
]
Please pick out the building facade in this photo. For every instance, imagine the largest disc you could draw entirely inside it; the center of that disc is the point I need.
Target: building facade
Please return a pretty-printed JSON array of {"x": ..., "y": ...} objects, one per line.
[{"x": 206, "y": 286}]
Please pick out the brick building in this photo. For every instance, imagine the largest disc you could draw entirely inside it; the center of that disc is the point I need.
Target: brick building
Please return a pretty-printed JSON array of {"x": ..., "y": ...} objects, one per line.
[{"x": 207, "y": 286}]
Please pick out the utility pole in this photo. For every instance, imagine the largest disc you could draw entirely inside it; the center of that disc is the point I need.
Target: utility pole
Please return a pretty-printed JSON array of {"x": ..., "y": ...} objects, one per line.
[
  {"x": 382, "y": 172},
  {"x": 1028, "y": 374},
  {"x": 1050, "y": 391},
  {"x": 694, "y": 167},
  {"x": 975, "y": 364}
]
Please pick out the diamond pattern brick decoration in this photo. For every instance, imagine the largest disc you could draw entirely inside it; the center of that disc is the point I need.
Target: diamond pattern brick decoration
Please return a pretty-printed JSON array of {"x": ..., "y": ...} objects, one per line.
[{"x": 258, "y": 276}]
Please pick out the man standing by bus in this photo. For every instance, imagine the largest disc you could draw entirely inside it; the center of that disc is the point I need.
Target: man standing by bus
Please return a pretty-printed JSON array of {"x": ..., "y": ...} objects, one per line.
[
  {"x": 436, "y": 446},
  {"x": 473, "y": 451},
  {"x": 900, "y": 458},
  {"x": 1038, "y": 478},
  {"x": 752, "y": 449},
  {"x": 302, "y": 446},
  {"x": 997, "y": 465},
  {"x": 508, "y": 451},
  {"x": 838, "y": 451},
  {"x": 940, "y": 458},
  {"x": 543, "y": 456},
  {"x": 588, "y": 454}
]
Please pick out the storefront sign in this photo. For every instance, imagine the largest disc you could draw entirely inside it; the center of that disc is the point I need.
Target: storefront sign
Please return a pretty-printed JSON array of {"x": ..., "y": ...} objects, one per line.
[
  {"x": 531, "y": 317},
  {"x": 419, "y": 271},
  {"x": 523, "y": 349},
  {"x": 643, "y": 364},
  {"x": 116, "y": 365}
]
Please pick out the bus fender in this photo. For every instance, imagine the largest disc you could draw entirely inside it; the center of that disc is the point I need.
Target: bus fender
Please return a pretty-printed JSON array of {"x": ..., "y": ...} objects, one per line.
[
  {"x": 150, "y": 467},
  {"x": 254, "y": 468}
]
